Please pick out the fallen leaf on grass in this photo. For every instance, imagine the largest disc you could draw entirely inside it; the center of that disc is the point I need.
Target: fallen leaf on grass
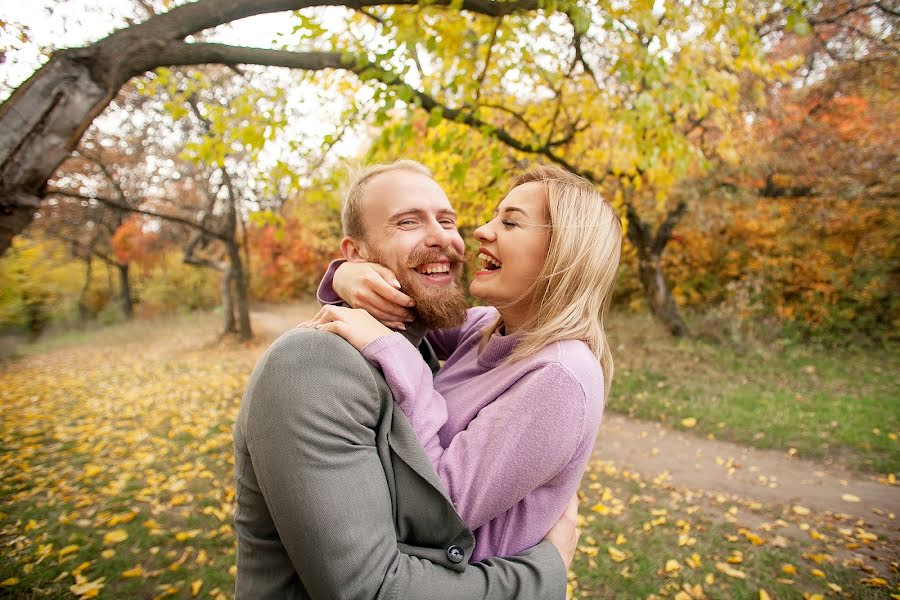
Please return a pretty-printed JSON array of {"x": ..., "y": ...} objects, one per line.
[
  {"x": 800, "y": 510},
  {"x": 114, "y": 537},
  {"x": 850, "y": 498},
  {"x": 730, "y": 571},
  {"x": 10, "y": 581},
  {"x": 689, "y": 422},
  {"x": 615, "y": 554}
]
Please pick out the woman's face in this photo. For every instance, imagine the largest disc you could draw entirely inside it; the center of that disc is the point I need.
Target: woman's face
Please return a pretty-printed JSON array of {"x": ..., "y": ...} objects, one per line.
[{"x": 513, "y": 249}]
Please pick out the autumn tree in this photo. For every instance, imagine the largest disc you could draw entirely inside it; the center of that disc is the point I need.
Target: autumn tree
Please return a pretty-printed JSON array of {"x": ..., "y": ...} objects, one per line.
[{"x": 633, "y": 96}]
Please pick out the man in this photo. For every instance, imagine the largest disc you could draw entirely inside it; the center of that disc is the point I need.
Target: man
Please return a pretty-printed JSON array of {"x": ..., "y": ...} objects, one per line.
[{"x": 335, "y": 495}]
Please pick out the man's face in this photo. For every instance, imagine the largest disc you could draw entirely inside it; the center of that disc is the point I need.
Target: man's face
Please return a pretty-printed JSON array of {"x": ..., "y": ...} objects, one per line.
[{"x": 411, "y": 229}]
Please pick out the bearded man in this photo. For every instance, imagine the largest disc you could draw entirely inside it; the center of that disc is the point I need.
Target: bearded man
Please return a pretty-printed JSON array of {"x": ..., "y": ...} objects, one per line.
[{"x": 336, "y": 497}]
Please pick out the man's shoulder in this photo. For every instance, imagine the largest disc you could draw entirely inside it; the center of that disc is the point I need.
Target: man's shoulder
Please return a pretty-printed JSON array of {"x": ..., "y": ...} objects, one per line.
[{"x": 306, "y": 344}]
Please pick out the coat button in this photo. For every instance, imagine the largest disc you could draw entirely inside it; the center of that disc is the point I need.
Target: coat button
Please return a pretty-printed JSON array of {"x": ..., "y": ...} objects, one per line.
[{"x": 455, "y": 554}]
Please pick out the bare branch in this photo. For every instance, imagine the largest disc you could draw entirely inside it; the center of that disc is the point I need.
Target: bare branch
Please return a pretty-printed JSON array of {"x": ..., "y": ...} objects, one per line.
[{"x": 142, "y": 211}]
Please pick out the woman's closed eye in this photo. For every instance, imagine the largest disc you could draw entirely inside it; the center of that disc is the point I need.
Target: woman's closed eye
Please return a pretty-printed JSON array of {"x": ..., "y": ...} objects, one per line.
[{"x": 509, "y": 224}]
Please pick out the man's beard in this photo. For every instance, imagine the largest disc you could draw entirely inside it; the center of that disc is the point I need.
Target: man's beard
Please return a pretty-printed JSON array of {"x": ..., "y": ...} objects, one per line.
[{"x": 437, "y": 307}]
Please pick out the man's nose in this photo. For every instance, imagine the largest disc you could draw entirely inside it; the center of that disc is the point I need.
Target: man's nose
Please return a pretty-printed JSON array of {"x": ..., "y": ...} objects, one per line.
[{"x": 438, "y": 236}]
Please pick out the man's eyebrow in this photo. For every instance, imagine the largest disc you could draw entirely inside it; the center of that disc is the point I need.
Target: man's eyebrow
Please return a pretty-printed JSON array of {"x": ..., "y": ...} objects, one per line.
[{"x": 416, "y": 212}]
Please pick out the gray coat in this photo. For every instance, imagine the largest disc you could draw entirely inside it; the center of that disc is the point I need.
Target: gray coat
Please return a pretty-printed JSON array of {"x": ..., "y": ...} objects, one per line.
[{"x": 337, "y": 499}]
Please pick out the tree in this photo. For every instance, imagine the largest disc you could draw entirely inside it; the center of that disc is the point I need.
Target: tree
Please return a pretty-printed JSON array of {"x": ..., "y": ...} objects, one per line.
[{"x": 633, "y": 96}]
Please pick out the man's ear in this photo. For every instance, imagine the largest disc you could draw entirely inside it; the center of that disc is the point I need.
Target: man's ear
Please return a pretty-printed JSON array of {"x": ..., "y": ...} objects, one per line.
[{"x": 354, "y": 250}]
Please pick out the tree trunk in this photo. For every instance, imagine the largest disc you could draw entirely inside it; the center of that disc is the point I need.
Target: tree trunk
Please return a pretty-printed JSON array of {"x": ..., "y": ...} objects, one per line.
[
  {"x": 228, "y": 300},
  {"x": 82, "y": 306},
  {"x": 125, "y": 292},
  {"x": 649, "y": 249},
  {"x": 659, "y": 298},
  {"x": 240, "y": 287}
]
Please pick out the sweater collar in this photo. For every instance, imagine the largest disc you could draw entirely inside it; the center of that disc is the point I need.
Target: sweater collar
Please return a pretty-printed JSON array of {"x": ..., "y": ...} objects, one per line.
[{"x": 497, "y": 349}]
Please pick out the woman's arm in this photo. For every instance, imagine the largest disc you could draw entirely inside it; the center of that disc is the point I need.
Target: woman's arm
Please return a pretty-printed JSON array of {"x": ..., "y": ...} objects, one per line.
[
  {"x": 369, "y": 286},
  {"x": 514, "y": 445}
]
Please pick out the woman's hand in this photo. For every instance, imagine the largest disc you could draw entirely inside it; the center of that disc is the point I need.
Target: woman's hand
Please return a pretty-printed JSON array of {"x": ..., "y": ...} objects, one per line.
[
  {"x": 353, "y": 324},
  {"x": 374, "y": 288}
]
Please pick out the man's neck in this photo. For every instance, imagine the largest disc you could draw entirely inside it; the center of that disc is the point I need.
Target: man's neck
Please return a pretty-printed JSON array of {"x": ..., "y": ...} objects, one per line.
[{"x": 414, "y": 332}]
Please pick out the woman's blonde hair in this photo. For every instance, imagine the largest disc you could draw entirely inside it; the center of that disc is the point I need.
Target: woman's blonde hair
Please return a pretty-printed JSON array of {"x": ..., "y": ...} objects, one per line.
[{"x": 573, "y": 291}]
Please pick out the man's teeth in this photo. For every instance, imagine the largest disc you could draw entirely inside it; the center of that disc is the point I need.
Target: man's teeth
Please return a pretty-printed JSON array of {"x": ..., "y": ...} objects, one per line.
[
  {"x": 430, "y": 269},
  {"x": 489, "y": 259}
]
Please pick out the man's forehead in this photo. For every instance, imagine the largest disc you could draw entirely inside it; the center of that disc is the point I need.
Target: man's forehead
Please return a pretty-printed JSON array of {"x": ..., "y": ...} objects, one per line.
[{"x": 395, "y": 192}]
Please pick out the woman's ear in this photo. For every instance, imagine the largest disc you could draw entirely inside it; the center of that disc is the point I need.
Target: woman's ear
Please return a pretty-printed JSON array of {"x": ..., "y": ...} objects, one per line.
[{"x": 353, "y": 250}]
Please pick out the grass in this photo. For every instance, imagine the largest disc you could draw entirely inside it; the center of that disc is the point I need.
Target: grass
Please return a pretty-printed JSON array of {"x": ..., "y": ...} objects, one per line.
[
  {"x": 116, "y": 468},
  {"x": 840, "y": 406}
]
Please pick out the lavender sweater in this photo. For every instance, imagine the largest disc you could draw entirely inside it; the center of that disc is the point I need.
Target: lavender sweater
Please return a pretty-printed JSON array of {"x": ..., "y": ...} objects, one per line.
[{"x": 509, "y": 441}]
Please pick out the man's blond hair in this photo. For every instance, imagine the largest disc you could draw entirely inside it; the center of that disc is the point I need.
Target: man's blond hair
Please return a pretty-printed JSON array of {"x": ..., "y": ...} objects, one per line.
[{"x": 352, "y": 220}]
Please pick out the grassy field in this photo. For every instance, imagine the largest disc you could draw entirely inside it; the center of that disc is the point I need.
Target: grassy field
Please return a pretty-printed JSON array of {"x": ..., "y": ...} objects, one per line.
[
  {"x": 116, "y": 474},
  {"x": 832, "y": 405}
]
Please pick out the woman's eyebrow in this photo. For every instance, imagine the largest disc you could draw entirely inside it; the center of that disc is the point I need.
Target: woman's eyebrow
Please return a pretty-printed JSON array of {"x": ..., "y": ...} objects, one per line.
[{"x": 511, "y": 209}]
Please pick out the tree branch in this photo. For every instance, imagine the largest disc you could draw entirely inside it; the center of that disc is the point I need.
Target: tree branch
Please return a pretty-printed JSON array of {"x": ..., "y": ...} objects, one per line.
[{"x": 149, "y": 213}]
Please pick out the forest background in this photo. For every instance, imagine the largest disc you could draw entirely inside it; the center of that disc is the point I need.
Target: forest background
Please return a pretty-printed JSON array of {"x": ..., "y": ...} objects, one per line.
[
  {"x": 170, "y": 183},
  {"x": 751, "y": 151}
]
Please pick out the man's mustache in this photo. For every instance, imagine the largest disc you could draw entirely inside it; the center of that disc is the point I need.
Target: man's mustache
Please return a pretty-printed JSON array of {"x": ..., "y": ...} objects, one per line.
[{"x": 421, "y": 257}]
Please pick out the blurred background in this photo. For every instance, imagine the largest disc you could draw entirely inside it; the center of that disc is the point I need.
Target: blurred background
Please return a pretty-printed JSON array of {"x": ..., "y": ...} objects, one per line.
[{"x": 750, "y": 148}]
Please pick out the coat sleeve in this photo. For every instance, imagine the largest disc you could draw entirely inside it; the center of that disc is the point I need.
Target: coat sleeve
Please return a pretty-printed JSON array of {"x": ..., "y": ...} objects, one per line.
[
  {"x": 308, "y": 424},
  {"x": 515, "y": 444}
]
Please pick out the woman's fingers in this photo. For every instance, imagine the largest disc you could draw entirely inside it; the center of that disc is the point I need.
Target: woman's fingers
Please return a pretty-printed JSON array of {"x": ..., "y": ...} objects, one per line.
[{"x": 386, "y": 290}]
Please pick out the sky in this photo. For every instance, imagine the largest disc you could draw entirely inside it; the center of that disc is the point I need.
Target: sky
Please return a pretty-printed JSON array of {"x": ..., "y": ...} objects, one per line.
[
  {"x": 54, "y": 24},
  {"x": 70, "y": 23}
]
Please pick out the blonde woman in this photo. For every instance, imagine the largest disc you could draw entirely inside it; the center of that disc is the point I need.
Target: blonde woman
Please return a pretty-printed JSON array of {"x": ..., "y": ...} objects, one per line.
[{"x": 510, "y": 420}]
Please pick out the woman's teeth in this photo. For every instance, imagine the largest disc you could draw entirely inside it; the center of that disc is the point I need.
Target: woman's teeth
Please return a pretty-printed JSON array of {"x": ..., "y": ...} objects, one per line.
[{"x": 489, "y": 261}]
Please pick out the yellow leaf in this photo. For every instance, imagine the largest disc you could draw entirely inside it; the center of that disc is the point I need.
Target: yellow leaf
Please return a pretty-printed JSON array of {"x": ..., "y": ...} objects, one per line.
[
  {"x": 835, "y": 587},
  {"x": 108, "y": 553},
  {"x": 736, "y": 558},
  {"x": 672, "y": 566},
  {"x": 689, "y": 422},
  {"x": 116, "y": 536},
  {"x": 80, "y": 568},
  {"x": 615, "y": 554},
  {"x": 730, "y": 571},
  {"x": 693, "y": 561},
  {"x": 600, "y": 508},
  {"x": 88, "y": 589},
  {"x": 195, "y": 587},
  {"x": 764, "y": 595},
  {"x": 800, "y": 510},
  {"x": 789, "y": 569},
  {"x": 68, "y": 550},
  {"x": 818, "y": 573},
  {"x": 850, "y": 498},
  {"x": 620, "y": 539},
  {"x": 874, "y": 582},
  {"x": 133, "y": 572},
  {"x": 10, "y": 581}
]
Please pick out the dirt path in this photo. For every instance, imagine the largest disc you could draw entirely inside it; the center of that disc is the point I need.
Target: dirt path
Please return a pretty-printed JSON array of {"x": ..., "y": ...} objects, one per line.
[{"x": 767, "y": 476}]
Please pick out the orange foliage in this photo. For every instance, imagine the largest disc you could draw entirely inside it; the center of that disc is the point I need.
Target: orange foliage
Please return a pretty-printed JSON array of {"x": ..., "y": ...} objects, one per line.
[
  {"x": 290, "y": 258},
  {"x": 132, "y": 244}
]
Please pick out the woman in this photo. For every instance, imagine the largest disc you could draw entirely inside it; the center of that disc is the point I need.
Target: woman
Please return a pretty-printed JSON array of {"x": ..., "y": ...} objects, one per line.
[{"x": 510, "y": 420}]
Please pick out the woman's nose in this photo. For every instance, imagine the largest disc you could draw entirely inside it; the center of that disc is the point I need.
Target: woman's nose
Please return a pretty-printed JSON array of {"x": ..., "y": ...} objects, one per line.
[{"x": 484, "y": 233}]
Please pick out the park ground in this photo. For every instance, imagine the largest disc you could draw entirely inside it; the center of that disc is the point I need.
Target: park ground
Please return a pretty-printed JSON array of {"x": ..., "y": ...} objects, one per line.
[{"x": 722, "y": 470}]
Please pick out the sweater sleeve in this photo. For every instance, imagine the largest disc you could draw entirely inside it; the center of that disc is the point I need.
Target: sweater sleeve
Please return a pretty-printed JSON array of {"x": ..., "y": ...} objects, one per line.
[
  {"x": 514, "y": 445},
  {"x": 326, "y": 294}
]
